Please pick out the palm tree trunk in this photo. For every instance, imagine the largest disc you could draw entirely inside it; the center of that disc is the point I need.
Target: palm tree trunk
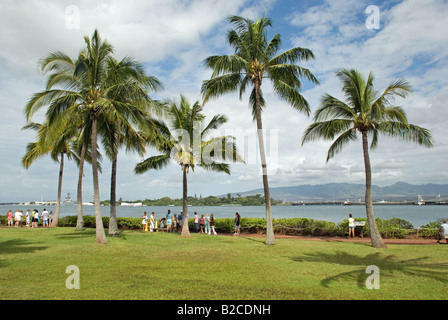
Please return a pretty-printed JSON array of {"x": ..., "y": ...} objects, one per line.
[
  {"x": 376, "y": 240},
  {"x": 100, "y": 235},
  {"x": 270, "y": 238},
  {"x": 113, "y": 225},
  {"x": 80, "y": 220},
  {"x": 58, "y": 203},
  {"x": 185, "y": 229}
]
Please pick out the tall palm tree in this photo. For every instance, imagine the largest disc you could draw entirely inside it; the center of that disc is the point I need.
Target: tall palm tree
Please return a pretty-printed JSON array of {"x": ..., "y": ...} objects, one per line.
[
  {"x": 254, "y": 60},
  {"x": 368, "y": 113},
  {"x": 119, "y": 129},
  {"x": 89, "y": 86},
  {"x": 83, "y": 149},
  {"x": 58, "y": 142},
  {"x": 185, "y": 140}
]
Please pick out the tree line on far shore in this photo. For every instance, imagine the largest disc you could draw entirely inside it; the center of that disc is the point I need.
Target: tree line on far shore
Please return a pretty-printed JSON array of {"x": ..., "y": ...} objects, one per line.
[{"x": 255, "y": 200}]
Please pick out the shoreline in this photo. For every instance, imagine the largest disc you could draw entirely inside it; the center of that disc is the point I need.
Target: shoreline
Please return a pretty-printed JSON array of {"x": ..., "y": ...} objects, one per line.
[{"x": 311, "y": 203}]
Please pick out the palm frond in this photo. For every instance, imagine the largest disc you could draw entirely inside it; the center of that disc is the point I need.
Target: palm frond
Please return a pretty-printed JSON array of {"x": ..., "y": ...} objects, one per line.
[
  {"x": 292, "y": 56},
  {"x": 218, "y": 86},
  {"x": 406, "y": 132},
  {"x": 156, "y": 162},
  {"x": 291, "y": 95},
  {"x": 340, "y": 142},
  {"x": 225, "y": 64},
  {"x": 216, "y": 167},
  {"x": 216, "y": 122},
  {"x": 331, "y": 107},
  {"x": 253, "y": 103},
  {"x": 326, "y": 130}
]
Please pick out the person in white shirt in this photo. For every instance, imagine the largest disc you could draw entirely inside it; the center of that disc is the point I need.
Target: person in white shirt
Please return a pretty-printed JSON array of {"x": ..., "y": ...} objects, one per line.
[
  {"x": 18, "y": 217},
  {"x": 351, "y": 226},
  {"x": 45, "y": 216},
  {"x": 145, "y": 221},
  {"x": 443, "y": 232},
  {"x": 35, "y": 220},
  {"x": 152, "y": 223}
]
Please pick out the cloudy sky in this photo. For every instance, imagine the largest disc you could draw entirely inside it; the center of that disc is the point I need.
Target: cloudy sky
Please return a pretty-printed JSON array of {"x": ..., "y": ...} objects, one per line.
[{"x": 394, "y": 39}]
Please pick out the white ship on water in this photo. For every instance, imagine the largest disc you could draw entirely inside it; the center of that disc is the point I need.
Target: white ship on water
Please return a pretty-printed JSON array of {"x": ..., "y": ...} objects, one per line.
[
  {"x": 420, "y": 200},
  {"x": 68, "y": 199},
  {"x": 125, "y": 204}
]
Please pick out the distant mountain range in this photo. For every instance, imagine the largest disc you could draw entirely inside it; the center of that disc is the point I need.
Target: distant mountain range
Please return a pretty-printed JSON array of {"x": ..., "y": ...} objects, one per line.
[{"x": 399, "y": 191}]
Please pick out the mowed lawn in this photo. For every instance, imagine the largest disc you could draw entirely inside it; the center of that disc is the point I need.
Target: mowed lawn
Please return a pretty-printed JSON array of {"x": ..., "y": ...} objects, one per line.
[{"x": 163, "y": 266}]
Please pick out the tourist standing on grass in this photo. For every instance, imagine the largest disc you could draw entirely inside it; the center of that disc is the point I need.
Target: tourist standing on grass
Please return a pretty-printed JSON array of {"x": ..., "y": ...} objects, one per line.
[
  {"x": 27, "y": 218},
  {"x": 201, "y": 224},
  {"x": 207, "y": 224},
  {"x": 145, "y": 221},
  {"x": 152, "y": 223},
  {"x": 237, "y": 223},
  {"x": 351, "y": 226},
  {"x": 35, "y": 222},
  {"x": 45, "y": 217},
  {"x": 443, "y": 232},
  {"x": 196, "y": 222},
  {"x": 32, "y": 218},
  {"x": 179, "y": 222},
  {"x": 175, "y": 223},
  {"x": 50, "y": 218},
  {"x": 212, "y": 225},
  {"x": 169, "y": 221},
  {"x": 10, "y": 224},
  {"x": 18, "y": 216}
]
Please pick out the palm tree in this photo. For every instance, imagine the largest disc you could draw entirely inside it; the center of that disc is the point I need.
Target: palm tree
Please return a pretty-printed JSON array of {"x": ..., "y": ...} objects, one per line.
[
  {"x": 368, "y": 113},
  {"x": 82, "y": 145},
  {"x": 90, "y": 87},
  {"x": 56, "y": 141},
  {"x": 117, "y": 129},
  {"x": 185, "y": 141},
  {"x": 256, "y": 59}
]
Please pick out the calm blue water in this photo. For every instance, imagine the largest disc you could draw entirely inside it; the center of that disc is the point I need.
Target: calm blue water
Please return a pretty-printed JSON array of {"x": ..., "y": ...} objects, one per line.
[{"x": 417, "y": 215}]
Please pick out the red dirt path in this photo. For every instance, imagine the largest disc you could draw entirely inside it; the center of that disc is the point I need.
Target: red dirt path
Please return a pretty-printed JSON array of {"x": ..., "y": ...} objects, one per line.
[{"x": 419, "y": 241}]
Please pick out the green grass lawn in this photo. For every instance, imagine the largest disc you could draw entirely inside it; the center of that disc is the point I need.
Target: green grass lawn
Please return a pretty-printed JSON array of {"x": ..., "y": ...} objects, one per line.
[{"x": 163, "y": 266}]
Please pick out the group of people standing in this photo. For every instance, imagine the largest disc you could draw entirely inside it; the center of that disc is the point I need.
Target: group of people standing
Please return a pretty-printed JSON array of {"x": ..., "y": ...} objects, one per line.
[
  {"x": 170, "y": 223},
  {"x": 173, "y": 223},
  {"x": 204, "y": 224},
  {"x": 31, "y": 218}
]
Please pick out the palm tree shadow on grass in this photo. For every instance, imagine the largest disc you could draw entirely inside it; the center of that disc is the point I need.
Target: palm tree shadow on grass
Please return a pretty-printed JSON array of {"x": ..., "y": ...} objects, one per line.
[
  {"x": 17, "y": 246},
  {"x": 87, "y": 233},
  {"x": 388, "y": 265}
]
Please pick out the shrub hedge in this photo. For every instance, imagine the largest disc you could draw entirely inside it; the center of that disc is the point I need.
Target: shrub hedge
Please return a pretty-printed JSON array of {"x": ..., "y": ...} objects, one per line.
[{"x": 392, "y": 228}]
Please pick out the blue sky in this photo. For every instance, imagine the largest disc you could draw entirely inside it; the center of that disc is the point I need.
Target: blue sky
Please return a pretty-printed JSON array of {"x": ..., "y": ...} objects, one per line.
[{"x": 173, "y": 37}]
